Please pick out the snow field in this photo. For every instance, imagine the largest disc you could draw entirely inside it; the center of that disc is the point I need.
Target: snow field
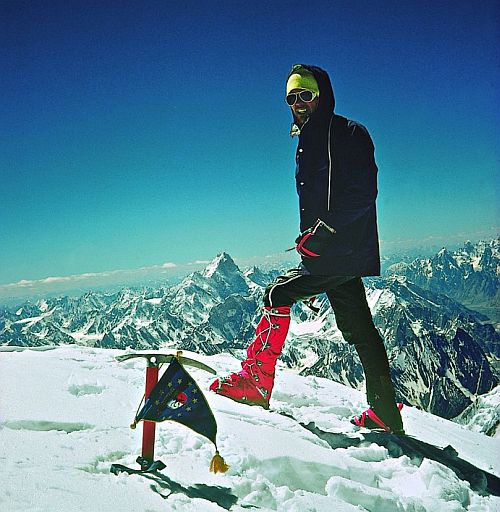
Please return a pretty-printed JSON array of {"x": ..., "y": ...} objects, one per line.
[{"x": 65, "y": 415}]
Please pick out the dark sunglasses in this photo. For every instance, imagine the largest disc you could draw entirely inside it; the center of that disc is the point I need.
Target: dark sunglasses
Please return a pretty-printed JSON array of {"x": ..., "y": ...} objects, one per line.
[{"x": 304, "y": 95}]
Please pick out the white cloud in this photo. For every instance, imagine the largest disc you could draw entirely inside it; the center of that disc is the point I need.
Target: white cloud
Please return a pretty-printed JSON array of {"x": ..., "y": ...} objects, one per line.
[
  {"x": 49, "y": 280},
  {"x": 168, "y": 264},
  {"x": 52, "y": 283},
  {"x": 24, "y": 283}
]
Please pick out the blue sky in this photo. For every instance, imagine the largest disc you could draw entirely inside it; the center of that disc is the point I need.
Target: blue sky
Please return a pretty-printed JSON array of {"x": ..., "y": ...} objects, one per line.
[{"x": 135, "y": 134}]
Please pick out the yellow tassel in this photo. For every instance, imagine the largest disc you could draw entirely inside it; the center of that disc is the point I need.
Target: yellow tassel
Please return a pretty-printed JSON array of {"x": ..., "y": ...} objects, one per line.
[{"x": 218, "y": 464}]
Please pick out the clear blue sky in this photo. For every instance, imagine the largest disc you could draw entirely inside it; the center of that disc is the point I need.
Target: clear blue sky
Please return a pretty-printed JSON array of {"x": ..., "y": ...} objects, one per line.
[{"x": 138, "y": 133}]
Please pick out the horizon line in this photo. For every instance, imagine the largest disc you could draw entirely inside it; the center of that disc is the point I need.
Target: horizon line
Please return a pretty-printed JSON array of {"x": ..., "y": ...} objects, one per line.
[{"x": 29, "y": 286}]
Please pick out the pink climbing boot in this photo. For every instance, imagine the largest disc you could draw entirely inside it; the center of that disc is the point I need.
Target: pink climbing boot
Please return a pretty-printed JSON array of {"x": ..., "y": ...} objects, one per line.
[
  {"x": 253, "y": 385},
  {"x": 384, "y": 412},
  {"x": 369, "y": 419}
]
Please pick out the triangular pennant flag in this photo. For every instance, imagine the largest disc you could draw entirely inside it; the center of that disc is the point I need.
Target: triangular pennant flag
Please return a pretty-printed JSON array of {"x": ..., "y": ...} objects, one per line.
[{"x": 177, "y": 397}]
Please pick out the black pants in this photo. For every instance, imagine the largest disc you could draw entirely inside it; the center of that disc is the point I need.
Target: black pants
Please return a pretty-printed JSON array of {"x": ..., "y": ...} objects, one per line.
[{"x": 348, "y": 299}]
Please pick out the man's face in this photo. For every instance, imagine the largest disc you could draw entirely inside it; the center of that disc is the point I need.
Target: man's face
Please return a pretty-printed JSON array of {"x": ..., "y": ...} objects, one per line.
[{"x": 303, "y": 109}]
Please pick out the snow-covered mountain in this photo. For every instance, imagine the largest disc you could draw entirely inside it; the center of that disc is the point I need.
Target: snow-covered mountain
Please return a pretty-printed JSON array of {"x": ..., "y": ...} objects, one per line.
[
  {"x": 483, "y": 415},
  {"x": 469, "y": 275},
  {"x": 204, "y": 310},
  {"x": 65, "y": 415},
  {"x": 439, "y": 349}
]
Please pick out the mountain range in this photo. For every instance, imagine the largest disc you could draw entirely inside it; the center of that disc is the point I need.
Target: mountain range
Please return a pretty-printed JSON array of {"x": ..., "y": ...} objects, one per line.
[
  {"x": 469, "y": 275},
  {"x": 442, "y": 352}
]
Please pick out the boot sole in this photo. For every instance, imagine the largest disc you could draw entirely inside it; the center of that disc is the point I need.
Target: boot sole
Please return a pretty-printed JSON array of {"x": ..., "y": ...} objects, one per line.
[
  {"x": 246, "y": 402},
  {"x": 379, "y": 430}
]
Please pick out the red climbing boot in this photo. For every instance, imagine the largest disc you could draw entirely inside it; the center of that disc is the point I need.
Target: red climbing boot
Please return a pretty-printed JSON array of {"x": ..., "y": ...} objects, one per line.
[
  {"x": 384, "y": 413},
  {"x": 369, "y": 419},
  {"x": 253, "y": 385}
]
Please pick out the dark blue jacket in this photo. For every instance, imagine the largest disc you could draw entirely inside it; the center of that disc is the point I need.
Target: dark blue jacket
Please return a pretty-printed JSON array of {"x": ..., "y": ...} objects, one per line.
[{"x": 336, "y": 179}]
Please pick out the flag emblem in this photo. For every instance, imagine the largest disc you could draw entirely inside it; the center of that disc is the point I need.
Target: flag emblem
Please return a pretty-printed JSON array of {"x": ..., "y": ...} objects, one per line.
[{"x": 179, "y": 401}]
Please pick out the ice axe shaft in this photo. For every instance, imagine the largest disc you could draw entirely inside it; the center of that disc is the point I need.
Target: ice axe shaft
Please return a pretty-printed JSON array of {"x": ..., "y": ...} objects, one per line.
[{"x": 148, "y": 432}]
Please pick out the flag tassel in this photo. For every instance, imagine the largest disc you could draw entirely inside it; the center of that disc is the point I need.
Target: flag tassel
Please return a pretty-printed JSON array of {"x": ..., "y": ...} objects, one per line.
[{"x": 218, "y": 464}]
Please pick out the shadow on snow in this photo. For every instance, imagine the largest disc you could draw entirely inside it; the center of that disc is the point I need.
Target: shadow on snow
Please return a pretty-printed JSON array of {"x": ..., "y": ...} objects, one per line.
[{"x": 480, "y": 481}]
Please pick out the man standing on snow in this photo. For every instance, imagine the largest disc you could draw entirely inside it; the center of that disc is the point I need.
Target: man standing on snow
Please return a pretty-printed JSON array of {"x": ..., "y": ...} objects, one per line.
[{"x": 336, "y": 179}]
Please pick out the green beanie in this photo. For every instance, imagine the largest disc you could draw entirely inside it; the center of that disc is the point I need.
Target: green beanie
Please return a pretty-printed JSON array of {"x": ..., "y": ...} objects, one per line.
[{"x": 301, "y": 78}]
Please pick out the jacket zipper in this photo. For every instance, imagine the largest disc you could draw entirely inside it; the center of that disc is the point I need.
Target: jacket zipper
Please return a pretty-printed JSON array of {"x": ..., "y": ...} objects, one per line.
[{"x": 329, "y": 163}]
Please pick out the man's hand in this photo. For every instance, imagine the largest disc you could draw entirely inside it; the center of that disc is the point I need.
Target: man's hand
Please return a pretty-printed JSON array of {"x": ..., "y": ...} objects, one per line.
[{"x": 312, "y": 242}]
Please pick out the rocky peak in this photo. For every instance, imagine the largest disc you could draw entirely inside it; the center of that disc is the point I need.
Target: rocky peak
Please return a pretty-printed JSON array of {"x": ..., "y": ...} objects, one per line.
[
  {"x": 221, "y": 264},
  {"x": 224, "y": 277},
  {"x": 469, "y": 247},
  {"x": 257, "y": 276},
  {"x": 444, "y": 258},
  {"x": 487, "y": 260}
]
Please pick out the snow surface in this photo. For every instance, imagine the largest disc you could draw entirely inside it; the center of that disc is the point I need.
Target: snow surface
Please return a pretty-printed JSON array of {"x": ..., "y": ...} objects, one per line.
[
  {"x": 65, "y": 415},
  {"x": 155, "y": 300}
]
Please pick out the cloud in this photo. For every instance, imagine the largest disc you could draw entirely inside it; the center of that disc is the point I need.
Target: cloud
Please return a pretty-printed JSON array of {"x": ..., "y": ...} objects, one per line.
[
  {"x": 49, "y": 280},
  {"x": 56, "y": 281},
  {"x": 24, "y": 283},
  {"x": 168, "y": 264}
]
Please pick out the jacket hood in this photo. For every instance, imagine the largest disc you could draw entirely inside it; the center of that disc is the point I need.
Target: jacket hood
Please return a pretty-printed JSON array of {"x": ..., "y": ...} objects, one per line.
[{"x": 326, "y": 104}]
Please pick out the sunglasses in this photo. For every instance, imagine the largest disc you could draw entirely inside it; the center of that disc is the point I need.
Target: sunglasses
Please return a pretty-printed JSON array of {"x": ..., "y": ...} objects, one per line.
[{"x": 304, "y": 95}]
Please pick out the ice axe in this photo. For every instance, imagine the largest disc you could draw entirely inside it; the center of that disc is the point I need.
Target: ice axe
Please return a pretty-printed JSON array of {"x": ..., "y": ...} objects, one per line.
[{"x": 154, "y": 361}]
